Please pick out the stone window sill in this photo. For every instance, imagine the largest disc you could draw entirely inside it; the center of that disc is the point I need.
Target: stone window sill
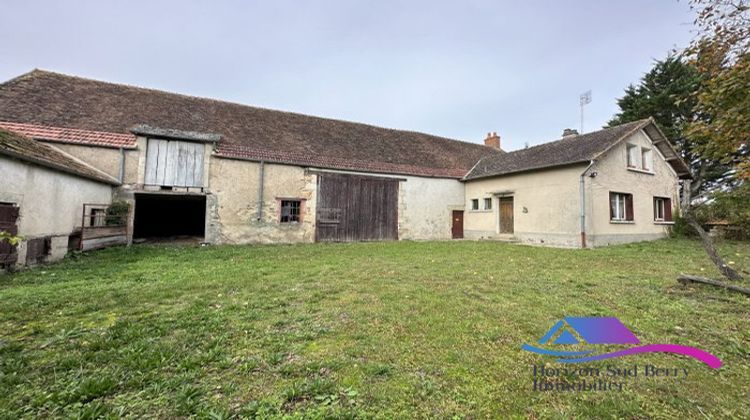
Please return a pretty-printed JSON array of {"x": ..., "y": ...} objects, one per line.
[
  {"x": 641, "y": 171},
  {"x": 622, "y": 222}
]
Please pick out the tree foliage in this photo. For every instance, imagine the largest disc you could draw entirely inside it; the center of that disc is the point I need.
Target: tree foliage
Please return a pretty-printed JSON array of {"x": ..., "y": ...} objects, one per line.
[
  {"x": 732, "y": 207},
  {"x": 7, "y": 237},
  {"x": 668, "y": 93},
  {"x": 721, "y": 52}
]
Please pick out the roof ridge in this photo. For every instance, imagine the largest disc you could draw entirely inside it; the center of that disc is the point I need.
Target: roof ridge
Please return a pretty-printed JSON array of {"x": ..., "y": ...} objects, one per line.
[
  {"x": 567, "y": 150},
  {"x": 577, "y": 136},
  {"x": 21, "y": 76},
  {"x": 638, "y": 125},
  {"x": 222, "y": 101}
]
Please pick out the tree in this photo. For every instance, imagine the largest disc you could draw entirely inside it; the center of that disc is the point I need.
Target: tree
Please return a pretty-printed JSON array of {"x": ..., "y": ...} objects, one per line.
[
  {"x": 668, "y": 93},
  {"x": 725, "y": 101},
  {"x": 721, "y": 51}
]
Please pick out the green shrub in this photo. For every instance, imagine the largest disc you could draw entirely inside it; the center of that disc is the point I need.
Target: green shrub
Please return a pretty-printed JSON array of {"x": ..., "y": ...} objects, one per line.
[
  {"x": 116, "y": 213},
  {"x": 733, "y": 207},
  {"x": 681, "y": 229}
]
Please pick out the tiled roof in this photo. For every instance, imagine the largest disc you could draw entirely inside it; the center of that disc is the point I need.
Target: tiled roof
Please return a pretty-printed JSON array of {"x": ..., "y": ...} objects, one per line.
[
  {"x": 56, "y": 100},
  {"x": 573, "y": 149},
  {"x": 23, "y": 148},
  {"x": 242, "y": 152},
  {"x": 72, "y": 135}
]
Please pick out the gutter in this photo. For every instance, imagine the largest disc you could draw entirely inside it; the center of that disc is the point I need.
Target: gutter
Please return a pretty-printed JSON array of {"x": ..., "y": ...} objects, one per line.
[
  {"x": 121, "y": 176},
  {"x": 582, "y": 191}
]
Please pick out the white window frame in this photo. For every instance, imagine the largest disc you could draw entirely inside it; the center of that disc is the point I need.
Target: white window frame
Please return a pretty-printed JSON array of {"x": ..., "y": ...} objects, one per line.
[
  {"x": 632, "y": 156},
  {"x": 660, "y": 210},
  {"x": 647, "y": 159},
  {"x": 486, "y": 202},
  {"x": 621, "y": 209}
]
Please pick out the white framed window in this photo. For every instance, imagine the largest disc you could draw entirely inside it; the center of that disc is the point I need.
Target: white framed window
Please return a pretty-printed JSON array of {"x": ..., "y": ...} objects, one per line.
[
  {"x": 488, "y": 204},
  {"x": 98, "y": 217},
  {"x": 640, "y": 158},
  {"x": 475, "y": 204},
  {"x": 662, "y": 209},
  {"x": 647, "y": 159},
  {"x": 620, "y": 207},
  {"x": 632, "y": 156},
  {"x": 658, "y": 209}
]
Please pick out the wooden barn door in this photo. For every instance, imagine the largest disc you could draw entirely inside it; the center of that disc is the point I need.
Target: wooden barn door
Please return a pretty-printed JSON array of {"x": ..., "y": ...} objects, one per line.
[
  {"x": 356, "y": 208},
  {"x": 506, "y": 214},
  {"x": 8, "y": 218},
  {"x": 173, "y": 163}
]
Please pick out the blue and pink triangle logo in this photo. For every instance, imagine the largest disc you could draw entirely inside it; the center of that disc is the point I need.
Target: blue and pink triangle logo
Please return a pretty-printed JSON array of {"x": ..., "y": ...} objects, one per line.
[{"x": 605, "y": 330}]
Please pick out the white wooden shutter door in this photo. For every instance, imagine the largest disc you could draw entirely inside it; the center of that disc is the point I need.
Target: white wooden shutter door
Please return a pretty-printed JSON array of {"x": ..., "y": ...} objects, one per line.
[{"x": 174, "y": 163}]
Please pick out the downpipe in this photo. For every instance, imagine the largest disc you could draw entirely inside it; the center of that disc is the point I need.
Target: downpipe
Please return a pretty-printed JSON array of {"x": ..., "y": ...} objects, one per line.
[
  {"x": 582, "y": 192},
  {"x": 261, "y": 175},
  {"x": 121, "y": 174}
]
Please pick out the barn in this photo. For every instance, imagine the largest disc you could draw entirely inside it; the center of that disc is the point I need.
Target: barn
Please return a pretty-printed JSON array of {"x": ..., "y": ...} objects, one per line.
[
  {"x": 50, "y": 200},
  {"x": 202, "y": 170},
  {"x": 199, "y": 170}
]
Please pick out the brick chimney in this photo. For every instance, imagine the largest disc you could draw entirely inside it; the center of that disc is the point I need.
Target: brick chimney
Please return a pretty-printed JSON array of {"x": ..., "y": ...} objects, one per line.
[
  {"x": 569, "y": 132},
  {"x": 492, "y": 140}
]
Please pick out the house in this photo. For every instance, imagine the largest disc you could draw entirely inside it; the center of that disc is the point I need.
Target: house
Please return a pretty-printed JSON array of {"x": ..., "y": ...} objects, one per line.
[
  {"x": 616, "y": 185},
  {"x": 230, "y": 173},
  {"x": 42, "y": 195}
]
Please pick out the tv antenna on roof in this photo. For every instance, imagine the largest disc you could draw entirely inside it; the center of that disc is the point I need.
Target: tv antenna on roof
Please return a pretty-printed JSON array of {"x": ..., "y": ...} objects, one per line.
[{"x": 584, "y": 100}]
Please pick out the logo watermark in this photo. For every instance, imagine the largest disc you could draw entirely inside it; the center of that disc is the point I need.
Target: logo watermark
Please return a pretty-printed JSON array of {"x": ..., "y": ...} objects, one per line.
[{"x": 601, "y": 331}]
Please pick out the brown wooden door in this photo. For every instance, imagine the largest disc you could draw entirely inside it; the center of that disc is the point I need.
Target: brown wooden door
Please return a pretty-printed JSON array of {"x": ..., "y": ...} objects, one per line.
[
  {"x": 8, "y": 218},
  {"x": 356, "y": 208},
  {"x": 506, "y": 214},
  {"x": 458, "y": 224}
]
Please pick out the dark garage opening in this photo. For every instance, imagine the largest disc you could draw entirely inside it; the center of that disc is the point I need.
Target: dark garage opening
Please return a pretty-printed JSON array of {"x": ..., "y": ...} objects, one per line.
[{"x": 169, "y": 217}]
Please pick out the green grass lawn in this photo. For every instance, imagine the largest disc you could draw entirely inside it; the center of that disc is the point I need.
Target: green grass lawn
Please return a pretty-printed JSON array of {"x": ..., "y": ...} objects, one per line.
[{"x": 359, "y": 330}]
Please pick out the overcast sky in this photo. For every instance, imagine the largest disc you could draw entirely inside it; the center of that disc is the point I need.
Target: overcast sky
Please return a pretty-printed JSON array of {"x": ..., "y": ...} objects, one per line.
[{"x": 457, "y": 69}]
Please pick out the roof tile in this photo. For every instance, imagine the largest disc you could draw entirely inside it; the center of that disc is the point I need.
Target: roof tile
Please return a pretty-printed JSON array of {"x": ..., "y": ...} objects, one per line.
[
  {"x": 72, "y": 135},
  {"x": 568, "y": 150},
  {"x": 24, "y": 148},
  {"x": 56, "y": 100}
]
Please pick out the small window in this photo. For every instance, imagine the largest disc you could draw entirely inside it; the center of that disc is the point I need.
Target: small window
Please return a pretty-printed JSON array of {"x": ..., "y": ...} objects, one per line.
[
  {"x": 620, "y": 207},
  {"x": 475, "y": 204},
  {"x": 290, "y": 211},
  {"x": 97, "y": 217},
  {"x": 647, "y": 159},
  {"x": 662, "y": 209},
  {"x": 488, "y": 204},
  {"x": 632, "y": 156}
]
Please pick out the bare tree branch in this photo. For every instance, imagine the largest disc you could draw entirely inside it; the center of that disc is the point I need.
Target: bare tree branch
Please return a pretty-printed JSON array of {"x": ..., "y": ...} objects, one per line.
[{"x": 685, "y": 279}]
